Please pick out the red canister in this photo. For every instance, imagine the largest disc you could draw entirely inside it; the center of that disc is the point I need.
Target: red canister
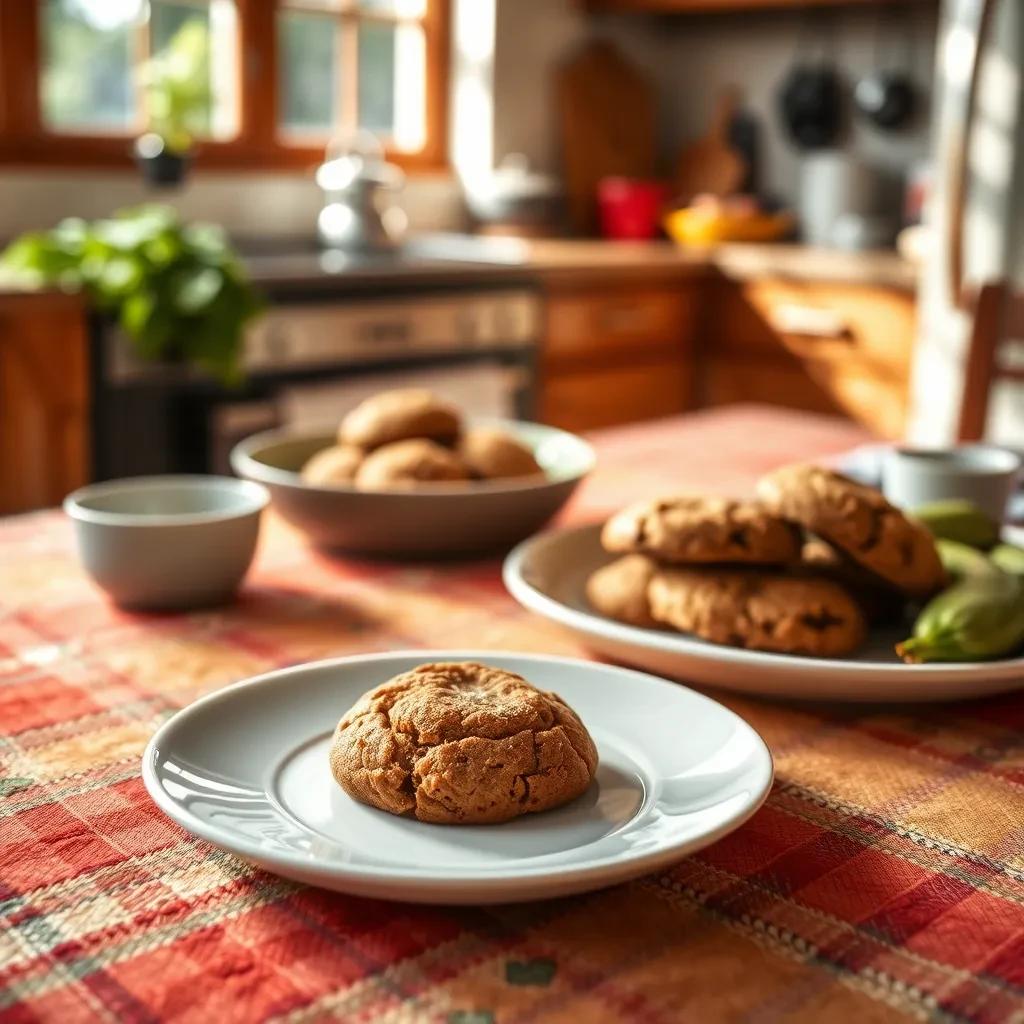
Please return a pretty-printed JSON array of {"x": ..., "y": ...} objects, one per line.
[{"x": 630, "y": 208}]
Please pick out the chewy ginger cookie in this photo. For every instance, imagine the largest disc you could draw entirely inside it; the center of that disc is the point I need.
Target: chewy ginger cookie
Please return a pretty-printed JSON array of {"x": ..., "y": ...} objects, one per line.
[
  {"x": 400, "y": 415},
  {"x": 693, "y": 530},
  {"x": 494, "y": 455},
  {"x": 619, "y": 590},
  {"x": 462, "y": 743},
  {"x": 860, "y": 522},
  {"x": 762, "y": 611},
  {"x": 407, "y": 464},
  {"x": 334, "y": 465}
]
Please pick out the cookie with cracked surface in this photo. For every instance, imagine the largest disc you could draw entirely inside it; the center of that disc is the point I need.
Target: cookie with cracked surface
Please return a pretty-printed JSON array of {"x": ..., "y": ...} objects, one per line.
[
  {"x": 334, "y": 465},
  {"x": 405, "y": 465},
  {"x": 690, "y": 529},
  {"x": 880, "y": 602},
  {"x": 400, "y": 415},
  {"x": 462, "y": 743},
  {"x": 860, "y": 522},
  {"x": 495, "y": 455},
  {"x": 619, "y": 590},
  {"x": 762, "y": 611}
]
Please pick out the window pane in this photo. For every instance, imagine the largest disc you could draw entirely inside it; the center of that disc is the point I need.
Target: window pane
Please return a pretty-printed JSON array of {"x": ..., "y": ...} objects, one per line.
[
  {"x": 377, "y": 77},
  {"x": 182, "y": 33},
  {"x": 309, "y": 72},
  {"x": 88, "y": 46},
  {"x": 392, "y": 77},
  {"x": 325, "y": 5}
]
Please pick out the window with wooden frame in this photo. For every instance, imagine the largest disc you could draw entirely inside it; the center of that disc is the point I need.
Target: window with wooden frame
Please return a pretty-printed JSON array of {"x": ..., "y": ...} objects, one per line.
[{"x": 279, "y": 78}]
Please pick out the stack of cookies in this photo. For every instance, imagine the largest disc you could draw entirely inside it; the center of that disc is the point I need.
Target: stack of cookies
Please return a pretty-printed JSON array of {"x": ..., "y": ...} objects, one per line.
[
  {"x": 801, "y": 570},
  {"x": 408, "y": 438}
]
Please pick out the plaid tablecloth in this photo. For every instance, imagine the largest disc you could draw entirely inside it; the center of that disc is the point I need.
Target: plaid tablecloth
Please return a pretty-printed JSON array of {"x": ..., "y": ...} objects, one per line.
[{"x": 883, "y": 879}]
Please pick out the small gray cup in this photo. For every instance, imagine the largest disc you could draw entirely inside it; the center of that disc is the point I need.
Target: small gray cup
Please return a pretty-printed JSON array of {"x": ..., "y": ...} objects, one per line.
[
  {"x": 168, "y": 542},
  {"x": 982, "y": 474}
]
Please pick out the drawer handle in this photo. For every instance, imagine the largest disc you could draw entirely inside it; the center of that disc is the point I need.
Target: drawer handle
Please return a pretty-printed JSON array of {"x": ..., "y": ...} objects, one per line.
[{"x": 810, "y": 321}]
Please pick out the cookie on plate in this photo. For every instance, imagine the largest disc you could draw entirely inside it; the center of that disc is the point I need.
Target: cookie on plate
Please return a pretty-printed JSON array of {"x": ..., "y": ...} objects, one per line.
[
  {"x": 693, "y": 530},
  {"x": 406, "y": 464},
  {"x": 860, "y": 522},
  {"x": 334, "y": 465},
  {"x": 462, "y": 743},
  {"x": 398, "y": 416},
  {"x": 880, "y": 602},
  {"x": 762, "y": 611},
  {"x": 493, "y": 455},
  {"x": 619, "y": 590}
]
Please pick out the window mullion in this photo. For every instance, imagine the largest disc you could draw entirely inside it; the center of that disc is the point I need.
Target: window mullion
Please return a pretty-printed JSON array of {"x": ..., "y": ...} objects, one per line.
[
  {"x": 258, "y": 73},
  {"x": 21, "y": 44}
]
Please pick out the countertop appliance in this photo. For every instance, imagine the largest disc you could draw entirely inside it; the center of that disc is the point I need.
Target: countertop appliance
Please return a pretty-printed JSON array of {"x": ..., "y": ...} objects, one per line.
[
  {"x": 319, "y": 348},
  {"x": 975, "y": 213},
  {"x": 360, "y": 211}
]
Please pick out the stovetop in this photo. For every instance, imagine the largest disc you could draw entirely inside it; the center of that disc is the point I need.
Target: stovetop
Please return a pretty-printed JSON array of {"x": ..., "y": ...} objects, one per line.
[{"x": 302, "y": 258}]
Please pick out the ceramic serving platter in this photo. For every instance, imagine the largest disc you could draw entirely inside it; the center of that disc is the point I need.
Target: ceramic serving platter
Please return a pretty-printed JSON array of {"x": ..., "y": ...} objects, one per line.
[
  {"x": 247, "y": 769},
  {"x": 548, "y": 573}
]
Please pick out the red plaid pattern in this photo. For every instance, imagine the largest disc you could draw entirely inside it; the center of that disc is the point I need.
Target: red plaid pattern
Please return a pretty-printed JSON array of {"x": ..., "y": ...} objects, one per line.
[{"x": 884, "y": 878}]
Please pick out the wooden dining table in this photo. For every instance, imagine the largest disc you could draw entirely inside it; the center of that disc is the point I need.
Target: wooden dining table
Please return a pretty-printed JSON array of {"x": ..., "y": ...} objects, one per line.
[{"x": 882, "y": 880}]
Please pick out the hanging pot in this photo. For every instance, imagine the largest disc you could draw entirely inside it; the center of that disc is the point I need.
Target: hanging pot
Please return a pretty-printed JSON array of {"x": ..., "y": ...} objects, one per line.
[
  {"x": 810, "y": 99},
  {"x": 886, "y": 98},
  {"x": 810, "y": 105}
]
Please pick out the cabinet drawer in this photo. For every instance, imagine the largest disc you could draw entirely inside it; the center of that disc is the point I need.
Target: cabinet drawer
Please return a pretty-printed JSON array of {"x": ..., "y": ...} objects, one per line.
[
  {"x": 816, "y": 385},
  {"x": 589, "y": 399},
  {"x": 594, "y": 322},
  {"x": 820, "y": 320}
]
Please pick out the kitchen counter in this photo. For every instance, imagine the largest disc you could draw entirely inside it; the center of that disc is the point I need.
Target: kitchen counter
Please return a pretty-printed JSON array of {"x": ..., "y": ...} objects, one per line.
[
  {"x": 566, "y": 260},
  {"x": 513, "y": 261}
]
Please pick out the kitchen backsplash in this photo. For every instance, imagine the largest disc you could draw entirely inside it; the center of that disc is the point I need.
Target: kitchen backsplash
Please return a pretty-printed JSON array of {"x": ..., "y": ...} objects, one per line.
[{"x": 247, "y": 204}]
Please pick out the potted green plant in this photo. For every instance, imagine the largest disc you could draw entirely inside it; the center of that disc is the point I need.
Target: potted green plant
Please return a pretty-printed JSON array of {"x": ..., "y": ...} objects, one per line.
[
  {"x": 177, "y": 290},
  {"x": 176, "y": 94}
]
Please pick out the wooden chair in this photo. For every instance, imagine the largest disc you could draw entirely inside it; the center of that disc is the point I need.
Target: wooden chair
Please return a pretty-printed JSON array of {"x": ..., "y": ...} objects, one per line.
[{"x": 998, "y": 318}]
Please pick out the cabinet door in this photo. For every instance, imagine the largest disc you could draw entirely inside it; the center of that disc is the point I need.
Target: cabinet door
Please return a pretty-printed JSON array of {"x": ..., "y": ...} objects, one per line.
[
  {"x": 618, "y": 322},
  {"x": 44, "y": 400},
  {"x": 845, "y": 388},
  {"x": 819, "y": 320},
  {"x": 608, "y": 396}
]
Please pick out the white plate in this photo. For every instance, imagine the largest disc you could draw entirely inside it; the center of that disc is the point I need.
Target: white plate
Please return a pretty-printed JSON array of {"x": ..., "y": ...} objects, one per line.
[
  {"x": 246, "y": 768},
  {"x": 547, "y": 574}
]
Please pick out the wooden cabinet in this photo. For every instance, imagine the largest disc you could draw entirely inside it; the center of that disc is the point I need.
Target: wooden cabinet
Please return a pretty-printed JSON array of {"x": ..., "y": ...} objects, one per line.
[
  {"x": 44, "y": 400},
  {"x": 811, "y": 345},
  {"x": 614, "y": 353}
]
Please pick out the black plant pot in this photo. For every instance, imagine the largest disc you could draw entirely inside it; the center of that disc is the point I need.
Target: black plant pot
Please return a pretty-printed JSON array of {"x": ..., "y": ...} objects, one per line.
[{"x": 160, "y": 167}]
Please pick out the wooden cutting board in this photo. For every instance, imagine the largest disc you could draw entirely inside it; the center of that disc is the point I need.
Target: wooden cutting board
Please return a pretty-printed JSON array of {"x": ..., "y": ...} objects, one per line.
[
  {"x": 710, "y": 164},
  {"x": 607, "y": 112}
]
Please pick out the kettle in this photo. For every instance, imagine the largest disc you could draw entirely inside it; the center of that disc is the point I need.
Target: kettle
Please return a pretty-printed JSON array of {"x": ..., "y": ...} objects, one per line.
[{"x": 360, "y": 211}]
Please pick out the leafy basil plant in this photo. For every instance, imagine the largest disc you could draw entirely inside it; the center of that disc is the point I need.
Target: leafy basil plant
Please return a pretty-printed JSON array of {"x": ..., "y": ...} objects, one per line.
[{"x": 178, "y": 290}]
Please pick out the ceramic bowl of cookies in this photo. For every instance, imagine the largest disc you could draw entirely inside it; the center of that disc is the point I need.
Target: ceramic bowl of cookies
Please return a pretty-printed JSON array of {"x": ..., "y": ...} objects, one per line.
[{"x": 406, "y": 475}]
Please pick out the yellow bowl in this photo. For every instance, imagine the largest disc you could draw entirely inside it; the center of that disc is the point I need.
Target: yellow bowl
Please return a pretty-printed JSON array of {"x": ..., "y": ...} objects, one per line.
[{"x": 697, "y": 226}]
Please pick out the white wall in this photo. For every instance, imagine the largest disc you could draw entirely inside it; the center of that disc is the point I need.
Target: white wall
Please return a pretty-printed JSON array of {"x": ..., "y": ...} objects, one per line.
[
  {"x": 533, "y": 38},
  {"x": 755, "y": 51}
]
